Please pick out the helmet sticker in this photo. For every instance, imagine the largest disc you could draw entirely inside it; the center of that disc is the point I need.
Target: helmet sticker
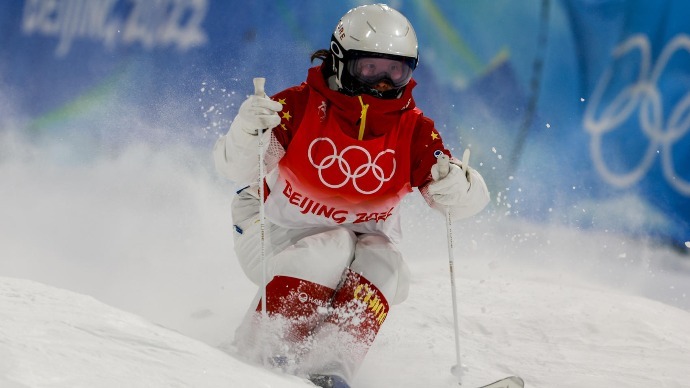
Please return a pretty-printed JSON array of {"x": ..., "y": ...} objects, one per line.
[
  {"x": 335, "y": 49},
  {"x": 340, "y": 29}
]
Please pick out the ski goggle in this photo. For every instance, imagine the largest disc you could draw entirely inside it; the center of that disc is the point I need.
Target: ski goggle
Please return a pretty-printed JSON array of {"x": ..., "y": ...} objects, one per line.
[{"x": 371, "y": 70}]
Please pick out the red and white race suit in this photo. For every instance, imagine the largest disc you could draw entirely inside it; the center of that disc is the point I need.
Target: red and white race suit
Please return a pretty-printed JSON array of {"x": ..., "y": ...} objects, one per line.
[{"x": 339, "y": 167}]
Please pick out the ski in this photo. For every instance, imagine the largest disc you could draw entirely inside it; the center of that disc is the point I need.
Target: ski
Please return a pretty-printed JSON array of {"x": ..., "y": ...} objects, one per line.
[{"x": 508, "y": 382}]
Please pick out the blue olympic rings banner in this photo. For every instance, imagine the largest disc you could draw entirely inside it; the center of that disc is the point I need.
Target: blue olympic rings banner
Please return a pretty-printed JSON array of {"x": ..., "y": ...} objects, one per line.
[{"x": 576, "y": 111}]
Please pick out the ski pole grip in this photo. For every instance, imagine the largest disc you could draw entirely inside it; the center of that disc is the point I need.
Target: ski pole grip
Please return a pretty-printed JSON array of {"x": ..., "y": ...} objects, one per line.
[
  {"x": 259, "y": 83},
  {"x": 465, "y": 159},
  {"x": 443, "y": 166},
  {"x": 466, "y": 163}
]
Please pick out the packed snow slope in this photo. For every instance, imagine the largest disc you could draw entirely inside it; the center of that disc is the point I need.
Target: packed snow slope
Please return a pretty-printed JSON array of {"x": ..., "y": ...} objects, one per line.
[
  {"x": 553, "y": 335},
  {"x": 117, "y": 270},
  {"x": 56, "y": 338}
]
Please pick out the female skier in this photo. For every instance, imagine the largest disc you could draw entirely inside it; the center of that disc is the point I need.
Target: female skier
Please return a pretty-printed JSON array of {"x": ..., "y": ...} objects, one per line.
[{"x": 343, "y": 149}]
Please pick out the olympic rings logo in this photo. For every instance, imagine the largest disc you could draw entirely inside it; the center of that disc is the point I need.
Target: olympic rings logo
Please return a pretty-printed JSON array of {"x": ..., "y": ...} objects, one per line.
[
  {"x": 372, "y": 168},
  {"x": 645, "y": 98}
]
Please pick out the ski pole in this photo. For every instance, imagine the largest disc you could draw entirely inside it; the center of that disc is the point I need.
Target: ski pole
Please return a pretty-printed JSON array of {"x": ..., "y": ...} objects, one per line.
[
  {"x": 259, "y": 83},
  {"x": 456, "y": 369}
]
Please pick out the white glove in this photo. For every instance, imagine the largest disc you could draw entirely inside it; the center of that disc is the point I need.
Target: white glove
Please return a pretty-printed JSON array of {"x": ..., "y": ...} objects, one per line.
[
  {"x": 451, "y": 182},
  {"x": 257, "y": 113},
  {"x": 235, "y": 154}
]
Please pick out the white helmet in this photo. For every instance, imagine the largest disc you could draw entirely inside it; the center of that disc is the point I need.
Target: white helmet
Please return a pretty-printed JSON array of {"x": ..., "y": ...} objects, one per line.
[{"x": 377, "y": 33}]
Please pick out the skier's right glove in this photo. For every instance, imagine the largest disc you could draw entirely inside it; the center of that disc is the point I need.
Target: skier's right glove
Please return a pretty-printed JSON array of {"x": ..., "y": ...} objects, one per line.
[
  {"x": 257, "y": 113},
  {"x": 234, "y": 154}
]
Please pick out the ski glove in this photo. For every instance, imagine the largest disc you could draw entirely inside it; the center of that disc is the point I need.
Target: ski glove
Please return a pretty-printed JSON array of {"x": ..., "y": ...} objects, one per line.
[
  {"x": 257, "y": 113},
  {"x": 451, "y": 181},
  {"x": 235, "y": 155}
]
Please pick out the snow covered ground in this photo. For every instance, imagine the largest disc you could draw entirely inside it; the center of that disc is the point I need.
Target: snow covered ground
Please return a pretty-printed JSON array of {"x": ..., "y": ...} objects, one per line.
[{"x": 118, "y": 271}]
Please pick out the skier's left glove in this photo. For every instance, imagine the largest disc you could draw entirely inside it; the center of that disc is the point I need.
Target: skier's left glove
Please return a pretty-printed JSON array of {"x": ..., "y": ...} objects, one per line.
[{"x": 451, "y": 181}]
